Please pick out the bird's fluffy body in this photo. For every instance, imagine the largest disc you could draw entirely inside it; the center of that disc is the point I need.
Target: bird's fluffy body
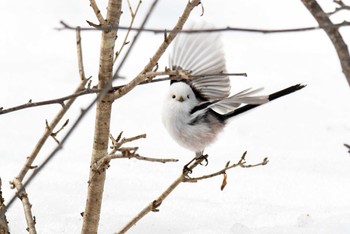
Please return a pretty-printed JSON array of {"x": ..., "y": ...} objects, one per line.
[{"x": 190, "y": 130}]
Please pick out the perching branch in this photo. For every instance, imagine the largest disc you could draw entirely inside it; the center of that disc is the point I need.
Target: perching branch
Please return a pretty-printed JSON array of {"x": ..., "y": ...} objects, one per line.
[
  {"x": 241, "y": 163},
  {"x": 199, "y": 159},
  {"x": 332, "y": 31},
  {"x": 66, "y": 26}
]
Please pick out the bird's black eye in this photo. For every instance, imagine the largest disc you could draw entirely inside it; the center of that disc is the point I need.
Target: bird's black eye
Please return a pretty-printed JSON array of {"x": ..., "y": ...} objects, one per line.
[
  {"x": 173, "y": 96},
  {"x": 188, "y": 96}
]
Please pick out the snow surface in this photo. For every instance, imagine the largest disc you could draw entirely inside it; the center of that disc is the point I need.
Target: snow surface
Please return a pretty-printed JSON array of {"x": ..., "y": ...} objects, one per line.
[{"x": 305, "y": 187}]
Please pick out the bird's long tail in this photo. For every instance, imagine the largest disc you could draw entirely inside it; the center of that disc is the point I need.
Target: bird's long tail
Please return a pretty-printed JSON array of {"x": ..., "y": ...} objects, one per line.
[{"x": 271, "y": 97}]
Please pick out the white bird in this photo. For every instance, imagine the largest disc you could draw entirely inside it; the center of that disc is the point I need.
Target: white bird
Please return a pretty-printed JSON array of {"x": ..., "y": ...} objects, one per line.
[{"x": 195, "y": 111}]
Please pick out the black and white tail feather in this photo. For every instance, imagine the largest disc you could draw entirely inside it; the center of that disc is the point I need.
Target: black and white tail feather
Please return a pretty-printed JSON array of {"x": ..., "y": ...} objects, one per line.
[{"x": 196, "y": 110}]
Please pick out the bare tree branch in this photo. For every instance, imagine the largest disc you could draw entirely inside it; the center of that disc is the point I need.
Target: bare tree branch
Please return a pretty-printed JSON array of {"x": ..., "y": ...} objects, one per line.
[
  {"x": 23, "y": 196},
  {"x": 241, "y": 163},
  {"x": 197, "y": 160},
  {"x": 154, "y": 205},
  {"x": 134, "y": 40},
  {"x": 125, "y": 42},
  {"x": 341, "y": 6},
  {"x": 66, "y": 26},
  {"x": 149, "y": 78},
  {"x": 332, "y": 31},
  {"x": 97, "y": 12},
  {"x": 80, "y": 55},
  {"x": 129, "y": 155}
]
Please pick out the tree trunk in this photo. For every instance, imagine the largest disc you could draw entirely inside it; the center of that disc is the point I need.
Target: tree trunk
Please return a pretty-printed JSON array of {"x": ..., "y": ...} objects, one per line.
[{"x": 102, "y": 120}]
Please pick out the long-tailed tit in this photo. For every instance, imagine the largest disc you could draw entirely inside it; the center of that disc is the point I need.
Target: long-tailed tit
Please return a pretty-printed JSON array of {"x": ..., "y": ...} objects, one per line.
[{"x": 196, "y": 110}]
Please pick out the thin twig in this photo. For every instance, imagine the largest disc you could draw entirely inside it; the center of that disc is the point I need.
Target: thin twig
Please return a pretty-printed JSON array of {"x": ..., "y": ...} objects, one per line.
[
  {"x": 80, "y": 55},
  {"x": 134, "y": 40},
  {"x": 79, "y": 92},
  {"x": 117, "y": 143},
  {"x": 225, "y": 29},
  {"x": 142, "y": 158},
  {"x": 133, "y": 16},
  {"x": 241, "y": 163},
  {"x": 124, "y": 152},
  {"x": 341, "y": 6},
  {"x": 97, "y": 12}
]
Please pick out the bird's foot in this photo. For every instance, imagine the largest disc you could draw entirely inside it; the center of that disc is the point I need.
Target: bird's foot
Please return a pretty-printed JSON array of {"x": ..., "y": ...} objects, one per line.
[
  {"x": 203, "y": 157},
  {"x": 200, "y": 158}
]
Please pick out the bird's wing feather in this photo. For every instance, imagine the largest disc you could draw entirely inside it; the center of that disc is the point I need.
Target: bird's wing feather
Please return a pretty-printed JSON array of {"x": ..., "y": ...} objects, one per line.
[
  {"x": 231, "y": 103},
  {"x": 202, "y": 54}
]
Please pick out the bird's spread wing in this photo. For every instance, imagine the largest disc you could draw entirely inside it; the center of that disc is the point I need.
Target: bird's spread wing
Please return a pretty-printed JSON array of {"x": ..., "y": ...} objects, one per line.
[
  {"x": 202, "y": 54},
  {"x": 227, "y": 105}
]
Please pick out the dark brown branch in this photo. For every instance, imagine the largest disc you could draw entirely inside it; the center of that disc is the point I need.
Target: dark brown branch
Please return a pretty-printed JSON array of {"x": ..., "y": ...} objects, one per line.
[
  {"x": 226, "y": 29},
  {"x": 341, "y": 6},
  {"x": 332, "y": 31}
]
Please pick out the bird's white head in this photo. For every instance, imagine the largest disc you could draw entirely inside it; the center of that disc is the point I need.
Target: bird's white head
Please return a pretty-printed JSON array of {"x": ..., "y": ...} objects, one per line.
[
  {"x": 179, "y": 101},
  {"x": 181, "y": 94}
]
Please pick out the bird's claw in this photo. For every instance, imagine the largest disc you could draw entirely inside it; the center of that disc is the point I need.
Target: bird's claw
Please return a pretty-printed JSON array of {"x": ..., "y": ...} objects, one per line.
[
  {"x": 203, "y": 158},
  {"x": 186, "y": 169}
]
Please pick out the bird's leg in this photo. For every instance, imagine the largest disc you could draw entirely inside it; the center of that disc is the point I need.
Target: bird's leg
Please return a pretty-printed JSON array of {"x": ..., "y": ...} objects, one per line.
[
  {"x": 186, "y": 169},
  {"x": 199, "y": 156}
]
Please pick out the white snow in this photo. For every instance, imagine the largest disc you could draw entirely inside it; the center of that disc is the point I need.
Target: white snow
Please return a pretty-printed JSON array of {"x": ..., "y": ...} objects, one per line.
[{"x": 303, "y": 189}]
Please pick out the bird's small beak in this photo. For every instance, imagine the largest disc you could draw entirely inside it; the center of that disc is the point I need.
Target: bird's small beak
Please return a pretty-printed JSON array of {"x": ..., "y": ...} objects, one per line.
[{"x": 181, "y": 99}]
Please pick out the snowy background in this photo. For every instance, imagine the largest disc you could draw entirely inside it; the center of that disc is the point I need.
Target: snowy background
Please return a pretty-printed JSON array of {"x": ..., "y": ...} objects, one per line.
[{"x": 306, "y": 185}]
